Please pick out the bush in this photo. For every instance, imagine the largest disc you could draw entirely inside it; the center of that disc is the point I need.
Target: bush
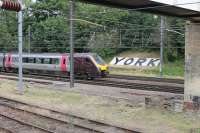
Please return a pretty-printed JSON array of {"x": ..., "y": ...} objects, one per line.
[{"x": 105, "y": 52}]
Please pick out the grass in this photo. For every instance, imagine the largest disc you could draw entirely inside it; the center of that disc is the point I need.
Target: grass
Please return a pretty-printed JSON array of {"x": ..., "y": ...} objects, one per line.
[
  {"x": 170, "y": 70},
  {"x": 118, "y": 112}
]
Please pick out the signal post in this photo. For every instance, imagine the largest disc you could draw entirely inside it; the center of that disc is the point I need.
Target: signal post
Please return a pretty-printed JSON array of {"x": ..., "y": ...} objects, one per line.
[{"x": 17, "y": 7}]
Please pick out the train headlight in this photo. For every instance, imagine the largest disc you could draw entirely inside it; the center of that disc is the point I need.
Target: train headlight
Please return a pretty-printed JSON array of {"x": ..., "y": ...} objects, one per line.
[{"x": 103, "y": 67}]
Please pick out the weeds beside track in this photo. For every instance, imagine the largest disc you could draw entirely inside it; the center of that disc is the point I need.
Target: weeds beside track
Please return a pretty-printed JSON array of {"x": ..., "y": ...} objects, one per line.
[{"x": 53, "y": 121}]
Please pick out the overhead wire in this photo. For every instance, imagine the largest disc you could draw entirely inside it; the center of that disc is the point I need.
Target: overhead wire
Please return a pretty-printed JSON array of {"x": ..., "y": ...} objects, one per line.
[
  {"x": 142, "y": 9},
  {"x": 138, "y": 9}
]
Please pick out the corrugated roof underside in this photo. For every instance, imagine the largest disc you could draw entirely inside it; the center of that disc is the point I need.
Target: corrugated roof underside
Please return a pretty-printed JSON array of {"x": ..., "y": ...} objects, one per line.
[{"x": 150, "y": 6}]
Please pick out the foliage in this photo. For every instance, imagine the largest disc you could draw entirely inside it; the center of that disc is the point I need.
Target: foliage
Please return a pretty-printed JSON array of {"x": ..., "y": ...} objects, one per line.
[
  {"x": 8, "y": 31},
  {"x": 105, "y": 52},
  {"x": 97, "y": 29},
  {"x": 53, "y": 29}
]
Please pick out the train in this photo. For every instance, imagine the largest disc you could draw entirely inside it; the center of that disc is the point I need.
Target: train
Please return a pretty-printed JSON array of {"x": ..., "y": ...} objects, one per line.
[{"x": 87, "y": 65}]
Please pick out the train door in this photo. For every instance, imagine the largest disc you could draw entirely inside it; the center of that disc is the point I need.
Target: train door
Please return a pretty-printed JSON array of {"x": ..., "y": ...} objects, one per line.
[
  {"x": 8, "y": 62},
  {"x": 64, "y": 63}
]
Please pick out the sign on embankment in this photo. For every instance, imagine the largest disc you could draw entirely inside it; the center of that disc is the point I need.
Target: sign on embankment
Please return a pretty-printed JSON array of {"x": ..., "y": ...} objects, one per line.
[{"x": 135, "y": 62}]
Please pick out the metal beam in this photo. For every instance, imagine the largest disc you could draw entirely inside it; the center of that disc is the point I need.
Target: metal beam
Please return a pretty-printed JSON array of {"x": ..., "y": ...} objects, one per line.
[{"x": 150, "y": 7}]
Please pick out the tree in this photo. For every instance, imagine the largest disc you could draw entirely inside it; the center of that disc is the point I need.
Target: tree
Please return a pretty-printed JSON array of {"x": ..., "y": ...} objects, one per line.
[
  {"x": 50, "y": 28},
  {"x": 8, "y": 31},
  {"x": 50, "y": 35}
]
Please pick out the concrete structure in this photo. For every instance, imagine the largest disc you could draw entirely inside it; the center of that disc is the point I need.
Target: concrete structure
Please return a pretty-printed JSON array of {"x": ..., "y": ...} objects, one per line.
[
  {"x": 188, "y": 9},
  {"x": 192, "y": 63}
]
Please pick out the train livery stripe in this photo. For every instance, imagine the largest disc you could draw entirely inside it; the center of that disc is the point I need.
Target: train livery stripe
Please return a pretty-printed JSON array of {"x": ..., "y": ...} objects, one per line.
[{"x": 64, "y": 62}]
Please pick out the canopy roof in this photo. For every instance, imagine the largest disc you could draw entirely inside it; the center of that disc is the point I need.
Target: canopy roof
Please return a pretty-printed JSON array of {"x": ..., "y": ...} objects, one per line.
[{"x": 189, "y": 9}]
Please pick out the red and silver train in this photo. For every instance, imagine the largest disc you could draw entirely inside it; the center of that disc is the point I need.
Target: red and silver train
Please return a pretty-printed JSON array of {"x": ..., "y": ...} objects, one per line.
[{"x": 89, "y": 65}]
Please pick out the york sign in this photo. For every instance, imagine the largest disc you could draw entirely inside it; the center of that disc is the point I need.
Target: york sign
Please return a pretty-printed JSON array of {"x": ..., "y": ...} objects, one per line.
[{"x": 137, "y": 62}]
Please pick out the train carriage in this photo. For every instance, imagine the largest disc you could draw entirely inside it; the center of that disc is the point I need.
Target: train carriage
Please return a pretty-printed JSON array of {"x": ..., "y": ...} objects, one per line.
[
  {"x": 89, "y": 65},
  {"x": 1, "y": 61}
]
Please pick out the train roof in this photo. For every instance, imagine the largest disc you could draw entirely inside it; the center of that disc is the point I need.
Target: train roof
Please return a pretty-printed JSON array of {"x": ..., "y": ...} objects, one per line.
[{"x": 55, "y": 54}]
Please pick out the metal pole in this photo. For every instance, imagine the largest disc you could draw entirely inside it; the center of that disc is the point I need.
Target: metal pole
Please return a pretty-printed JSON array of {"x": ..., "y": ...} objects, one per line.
[
  {"x": 161, "y": 45},
  {"x": 29, "y": 39},
  {"x": 71, "y": 3},
  {"x": 120, "y": 38},
  {"x": 20, "y": 39}
]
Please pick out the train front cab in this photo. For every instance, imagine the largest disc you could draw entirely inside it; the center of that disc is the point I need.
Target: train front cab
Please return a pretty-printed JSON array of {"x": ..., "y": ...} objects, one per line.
[
  {"x": 84, "y": 67},
  {"x": 101, "y": 64},
  {"x": 92, "y": 71}
]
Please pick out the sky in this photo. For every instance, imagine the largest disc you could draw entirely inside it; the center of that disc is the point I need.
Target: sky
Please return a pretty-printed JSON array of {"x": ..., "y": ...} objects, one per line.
[{"x": 195, "y": 7}]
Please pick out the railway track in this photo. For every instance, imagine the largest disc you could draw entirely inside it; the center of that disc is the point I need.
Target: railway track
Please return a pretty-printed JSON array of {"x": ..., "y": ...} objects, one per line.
[
  {"x": 13, "y": 125},
  {"x": 3, "y": 130},
  {"x": 138, "y": 86},
  {"x": 138, "y": 83},
  {"x": 48, "y": 120},
  {"x": 166, "y": 80}
]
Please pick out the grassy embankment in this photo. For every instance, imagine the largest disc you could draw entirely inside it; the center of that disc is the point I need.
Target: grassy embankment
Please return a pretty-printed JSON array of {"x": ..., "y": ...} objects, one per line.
[
  {"x": 170, "y": 69},
  {"x": 101, "y": 108}
]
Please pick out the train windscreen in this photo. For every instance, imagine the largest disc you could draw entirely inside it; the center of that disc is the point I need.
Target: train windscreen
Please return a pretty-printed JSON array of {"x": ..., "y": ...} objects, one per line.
[{"x": 99, "y": 60}]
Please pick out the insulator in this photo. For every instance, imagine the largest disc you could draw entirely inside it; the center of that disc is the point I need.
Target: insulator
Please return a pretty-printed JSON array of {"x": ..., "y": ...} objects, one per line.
[{"x": 9, "y": 5}]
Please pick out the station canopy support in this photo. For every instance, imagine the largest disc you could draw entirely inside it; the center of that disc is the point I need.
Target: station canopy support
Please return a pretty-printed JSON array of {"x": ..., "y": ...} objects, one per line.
[
  {"x": 20, "y": 49},
  {"x": 71, "y": 10},
  {"x": 17, "y": 7}
]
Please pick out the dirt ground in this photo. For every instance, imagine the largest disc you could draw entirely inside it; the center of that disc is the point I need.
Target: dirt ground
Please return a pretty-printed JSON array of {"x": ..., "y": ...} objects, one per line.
[
  {"x": 118, "y": 112},
  {"x": 3, "y": 131}
]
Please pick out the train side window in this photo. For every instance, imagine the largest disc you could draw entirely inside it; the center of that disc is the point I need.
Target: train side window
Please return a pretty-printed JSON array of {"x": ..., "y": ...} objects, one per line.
[
  {"x": 55, "y": 61},
  {"x": 50, "y": 61},
  {"x": 31, "y": 60},
  {"x": 46, "y": 61},
  {"x": 39, "y": 60},
  {"x": 15, "y": 59},
  {"x": 25, "y": 60},
  {"x": 42, "y": 60}
]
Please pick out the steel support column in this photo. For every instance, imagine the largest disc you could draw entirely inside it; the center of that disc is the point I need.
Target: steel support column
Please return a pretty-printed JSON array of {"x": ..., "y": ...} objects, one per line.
[
  {"x": 162, "y": 29},
  {"x": 71, "y": 3},
  {"x": 20, "y": 45}
]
